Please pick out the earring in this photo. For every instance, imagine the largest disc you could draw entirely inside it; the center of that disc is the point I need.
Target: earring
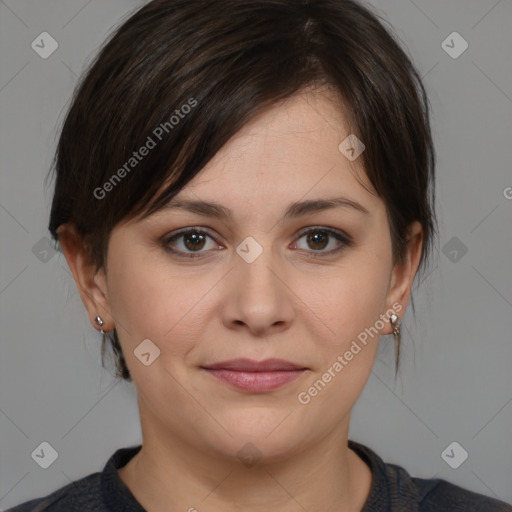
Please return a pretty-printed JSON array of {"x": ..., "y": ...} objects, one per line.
[
  {"x": 100, "y": 322},
  {"x": 395, "y": 322}
]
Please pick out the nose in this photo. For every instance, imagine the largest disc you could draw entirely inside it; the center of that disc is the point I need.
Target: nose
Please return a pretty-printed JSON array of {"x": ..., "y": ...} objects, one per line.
[{"x": 260, "y": 298}]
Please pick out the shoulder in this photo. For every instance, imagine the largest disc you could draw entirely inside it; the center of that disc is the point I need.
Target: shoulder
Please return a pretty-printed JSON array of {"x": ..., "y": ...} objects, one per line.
[
  {"x": 83, "y": 495},
  {"x": 438, "y": 495},
  {"x": 394, "y": 489},
  {"x": 98, "y": 492}
]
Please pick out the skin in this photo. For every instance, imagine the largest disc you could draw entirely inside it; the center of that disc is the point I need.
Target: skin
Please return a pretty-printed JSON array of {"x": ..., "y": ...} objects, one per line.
[{"x": 285, "y": 304}]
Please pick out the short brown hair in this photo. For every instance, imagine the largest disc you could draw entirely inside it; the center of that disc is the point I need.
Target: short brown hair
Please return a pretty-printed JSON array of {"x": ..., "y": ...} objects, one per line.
[{"x": 235, "y": 63}]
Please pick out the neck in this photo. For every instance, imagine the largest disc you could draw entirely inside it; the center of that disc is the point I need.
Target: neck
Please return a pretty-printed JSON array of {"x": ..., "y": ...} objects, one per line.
[{"x": 170, "y": 474}]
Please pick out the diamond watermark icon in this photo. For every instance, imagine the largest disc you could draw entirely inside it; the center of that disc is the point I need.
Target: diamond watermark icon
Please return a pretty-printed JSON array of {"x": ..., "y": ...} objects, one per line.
[
  {"x": 351, "y": 147},
  {"x": 146, "y": 352},
  {"x": 454, "y": 249},
  {"x": 43, "y": 250},
  {"x": 44, "y": 45},
  {"x": 454, "y": 45},
  {"x": 249, "y": 455},
  {"x": 454, "y": 455},
  {"x": 249, "y": 249},
  {"x": 45, "y": 455}
]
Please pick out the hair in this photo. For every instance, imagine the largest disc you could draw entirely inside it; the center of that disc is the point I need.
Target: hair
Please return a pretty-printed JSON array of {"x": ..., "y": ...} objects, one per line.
[{"x": 183, "y": 67}]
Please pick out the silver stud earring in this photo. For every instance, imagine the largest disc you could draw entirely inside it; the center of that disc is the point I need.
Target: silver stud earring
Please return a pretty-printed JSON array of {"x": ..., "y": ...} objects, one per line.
[
  {"x": 395, "y": 322},
  {"x": 100, "y": 322}
]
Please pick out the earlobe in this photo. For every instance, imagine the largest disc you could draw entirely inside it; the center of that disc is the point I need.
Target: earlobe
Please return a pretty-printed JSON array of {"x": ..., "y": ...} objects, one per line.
[{"x": 90, "y": 283}]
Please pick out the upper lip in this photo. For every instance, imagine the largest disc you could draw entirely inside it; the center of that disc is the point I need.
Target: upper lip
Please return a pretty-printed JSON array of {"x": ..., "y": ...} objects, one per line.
[{"x": 250, "y": 365}]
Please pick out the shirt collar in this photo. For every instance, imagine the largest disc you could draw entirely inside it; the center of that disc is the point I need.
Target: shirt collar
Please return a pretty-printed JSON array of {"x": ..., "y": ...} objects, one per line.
[{"x": 117, "y": 496}]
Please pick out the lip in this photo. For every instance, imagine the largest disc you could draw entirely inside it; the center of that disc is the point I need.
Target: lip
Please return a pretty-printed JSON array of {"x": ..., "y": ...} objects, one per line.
[
  {"x": 250, "y": 365},
  {"x": 255, "y": 376}
]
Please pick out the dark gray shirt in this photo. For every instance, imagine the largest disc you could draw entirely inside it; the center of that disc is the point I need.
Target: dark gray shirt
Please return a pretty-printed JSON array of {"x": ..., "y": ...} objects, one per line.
[{"x": 392, "y": 490}]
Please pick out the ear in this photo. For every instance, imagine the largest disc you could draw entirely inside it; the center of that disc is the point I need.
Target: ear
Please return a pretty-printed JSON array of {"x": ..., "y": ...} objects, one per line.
[
  {"x": 403, "y": 274},
  {"x": 91, "y": 284}
]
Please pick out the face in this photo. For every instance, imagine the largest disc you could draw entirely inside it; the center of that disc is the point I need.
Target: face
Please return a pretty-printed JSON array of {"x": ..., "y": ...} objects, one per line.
[{"x": 311, "y": 288}]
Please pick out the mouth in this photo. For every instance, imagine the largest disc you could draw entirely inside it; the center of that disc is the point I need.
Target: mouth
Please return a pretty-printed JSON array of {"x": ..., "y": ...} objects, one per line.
[{"x": 255, "y": 376}]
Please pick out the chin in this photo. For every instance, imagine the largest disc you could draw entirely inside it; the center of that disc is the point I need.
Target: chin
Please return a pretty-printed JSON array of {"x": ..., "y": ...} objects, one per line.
[{"x": 271, "y": 437}]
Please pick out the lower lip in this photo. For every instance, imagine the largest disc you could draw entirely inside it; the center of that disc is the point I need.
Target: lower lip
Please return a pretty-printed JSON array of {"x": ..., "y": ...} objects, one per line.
[{"x": 256, "y": 382}]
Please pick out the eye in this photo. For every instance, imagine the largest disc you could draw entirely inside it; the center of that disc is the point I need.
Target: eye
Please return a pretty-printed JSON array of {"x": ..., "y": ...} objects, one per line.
[
  {"x": 193, "y": 240},
  {"x": 319, "y": 238}
]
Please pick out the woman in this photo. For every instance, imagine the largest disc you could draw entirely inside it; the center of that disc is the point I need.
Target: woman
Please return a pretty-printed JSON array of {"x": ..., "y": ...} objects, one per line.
[{"x": 244, "y": 197}]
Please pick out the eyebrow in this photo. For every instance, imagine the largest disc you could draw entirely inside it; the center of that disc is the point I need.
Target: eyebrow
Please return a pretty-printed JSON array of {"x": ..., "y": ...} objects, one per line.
[{"x": 294, "y": 210}]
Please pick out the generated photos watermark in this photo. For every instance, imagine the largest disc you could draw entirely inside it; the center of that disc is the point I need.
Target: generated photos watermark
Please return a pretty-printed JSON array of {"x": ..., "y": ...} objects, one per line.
[
  {"x": 145, "y": 149},
  {"x": 305, "y": 397}
]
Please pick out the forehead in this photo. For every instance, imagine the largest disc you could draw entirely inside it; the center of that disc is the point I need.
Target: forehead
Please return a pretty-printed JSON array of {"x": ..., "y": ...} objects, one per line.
[
  {"x": 288, "y": 154},
  {"x": 295, "y": 143}
]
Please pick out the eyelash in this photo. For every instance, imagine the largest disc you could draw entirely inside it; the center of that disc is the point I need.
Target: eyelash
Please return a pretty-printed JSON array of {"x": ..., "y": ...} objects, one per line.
[{"x": 344, "y": 239}]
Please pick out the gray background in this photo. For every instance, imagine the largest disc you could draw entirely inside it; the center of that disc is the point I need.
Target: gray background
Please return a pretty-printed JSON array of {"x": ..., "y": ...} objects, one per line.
[{"x": 455, "y": 382}]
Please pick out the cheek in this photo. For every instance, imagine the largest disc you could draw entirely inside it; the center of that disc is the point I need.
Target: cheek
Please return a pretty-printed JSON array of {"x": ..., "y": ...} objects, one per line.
[
  {"x": 132, "y": 296},
  {"x": 349, "y": 303},
  {"x": 352, "y": 297},
  {"x": 152, "y": 300}
]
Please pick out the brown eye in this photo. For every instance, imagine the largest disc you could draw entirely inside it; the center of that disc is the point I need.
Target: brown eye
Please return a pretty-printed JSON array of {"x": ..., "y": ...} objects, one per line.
[
  {"x": 317, "y": 239},
  {"x": 192, "y": 241}
]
